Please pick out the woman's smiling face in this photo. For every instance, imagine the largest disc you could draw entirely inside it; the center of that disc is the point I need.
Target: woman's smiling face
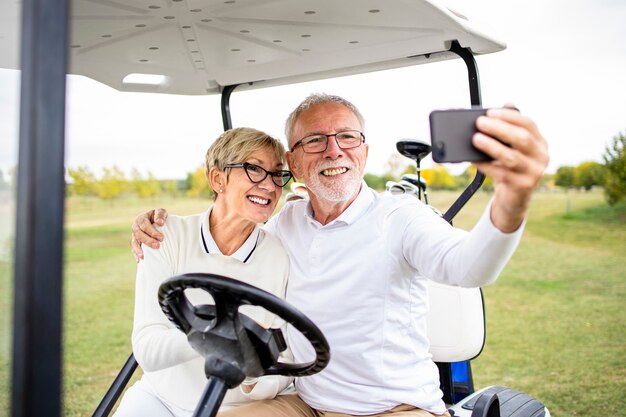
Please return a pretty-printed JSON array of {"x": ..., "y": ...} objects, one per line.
[{"x": 251, "y": 201}]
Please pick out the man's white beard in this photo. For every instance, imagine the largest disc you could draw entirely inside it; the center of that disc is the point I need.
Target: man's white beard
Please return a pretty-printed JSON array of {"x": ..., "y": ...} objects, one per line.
[{"x": 343, "y": 188}]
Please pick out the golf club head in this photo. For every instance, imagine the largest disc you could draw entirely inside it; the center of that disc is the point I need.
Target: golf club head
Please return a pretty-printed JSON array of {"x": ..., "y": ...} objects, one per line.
[
  {"x": 415, "y": 149},
  {"x": 394, "y": 188},
  {"x": 413, "y": 179},
  {"x": 409, "y": 187}
]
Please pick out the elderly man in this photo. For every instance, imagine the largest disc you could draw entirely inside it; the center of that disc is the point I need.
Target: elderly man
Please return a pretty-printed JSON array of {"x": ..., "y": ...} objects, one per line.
[{"x": 360, "y": 259}]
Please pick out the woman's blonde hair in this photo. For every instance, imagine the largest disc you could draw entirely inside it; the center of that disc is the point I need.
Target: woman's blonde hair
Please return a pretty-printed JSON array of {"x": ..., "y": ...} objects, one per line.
[{"x": 236, "y": 145}]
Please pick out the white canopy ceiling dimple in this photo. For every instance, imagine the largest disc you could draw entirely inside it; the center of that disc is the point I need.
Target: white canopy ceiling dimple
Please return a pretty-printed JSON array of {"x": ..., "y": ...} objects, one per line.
[{"x": 200, "y": 46}]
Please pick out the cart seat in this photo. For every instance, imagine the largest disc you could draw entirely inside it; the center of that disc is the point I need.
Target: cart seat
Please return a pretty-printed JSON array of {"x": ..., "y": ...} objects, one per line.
[
  {"x": 456, "y": 322},
  {"x": 456, "y": 331}
]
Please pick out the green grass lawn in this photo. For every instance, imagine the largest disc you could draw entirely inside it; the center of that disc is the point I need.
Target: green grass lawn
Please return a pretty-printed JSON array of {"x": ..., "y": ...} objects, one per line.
[
  {"x": 556, "y": 322},
  {"x": 556, "y": 328},
  {"x": 99, "y": 291}
]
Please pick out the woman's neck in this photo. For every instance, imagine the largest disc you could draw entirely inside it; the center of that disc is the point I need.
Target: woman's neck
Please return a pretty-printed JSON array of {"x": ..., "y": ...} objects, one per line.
[{"x": 228, "y": 231}]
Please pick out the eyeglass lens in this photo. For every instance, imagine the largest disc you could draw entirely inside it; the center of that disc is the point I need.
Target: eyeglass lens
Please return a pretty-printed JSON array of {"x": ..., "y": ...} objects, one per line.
[
  {"x": 319, "y": 143},
  {"x": 258, "y": 174}
]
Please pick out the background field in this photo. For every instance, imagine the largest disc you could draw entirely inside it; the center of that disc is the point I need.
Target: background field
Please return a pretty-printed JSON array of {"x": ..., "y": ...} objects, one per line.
[{"x": 556, "y": 326}]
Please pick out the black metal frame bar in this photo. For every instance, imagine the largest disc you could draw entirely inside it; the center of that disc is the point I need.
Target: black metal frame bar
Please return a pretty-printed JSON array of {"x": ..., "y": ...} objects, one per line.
[
  {"x": 474, "y": 87},
  {"x": 225, "y": 106},
  {"x": 38, "y": 275},
  {"x": 117, "y": 387},
  {"x": 445, "y": 373},
  {"x": 472, "y": 71}
]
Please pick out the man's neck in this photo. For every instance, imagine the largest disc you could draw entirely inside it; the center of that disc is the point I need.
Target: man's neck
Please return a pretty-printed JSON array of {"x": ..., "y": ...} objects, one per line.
[{"x": 327, "y": 211}]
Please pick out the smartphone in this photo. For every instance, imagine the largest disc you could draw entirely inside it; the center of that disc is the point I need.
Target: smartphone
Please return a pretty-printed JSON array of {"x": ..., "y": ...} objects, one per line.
[{"x": 451, "y": 134}]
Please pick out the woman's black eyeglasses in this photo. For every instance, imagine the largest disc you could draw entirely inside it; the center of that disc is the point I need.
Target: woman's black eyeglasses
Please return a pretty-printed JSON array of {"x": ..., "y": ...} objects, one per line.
[{"x": 257, "y": 174}]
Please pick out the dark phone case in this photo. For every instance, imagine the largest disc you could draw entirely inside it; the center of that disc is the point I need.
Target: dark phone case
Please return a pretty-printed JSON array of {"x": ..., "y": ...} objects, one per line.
[{"x": 451, "y": 134}]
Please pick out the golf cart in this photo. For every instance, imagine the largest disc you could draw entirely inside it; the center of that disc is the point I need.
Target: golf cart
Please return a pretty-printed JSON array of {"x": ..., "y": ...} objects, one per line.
[{"x": 208, "y": 47}]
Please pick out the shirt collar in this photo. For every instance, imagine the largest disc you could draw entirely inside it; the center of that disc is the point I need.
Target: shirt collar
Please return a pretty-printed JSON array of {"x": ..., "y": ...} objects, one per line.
[
  {"x": 355, "y": 210},
  {"x": 208, "y": 245}
]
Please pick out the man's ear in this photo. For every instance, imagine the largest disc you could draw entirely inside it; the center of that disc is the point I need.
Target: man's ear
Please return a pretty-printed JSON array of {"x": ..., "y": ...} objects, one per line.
[
  {"x": 217, "y": 179},
  {"x": 293, "y": 165}
]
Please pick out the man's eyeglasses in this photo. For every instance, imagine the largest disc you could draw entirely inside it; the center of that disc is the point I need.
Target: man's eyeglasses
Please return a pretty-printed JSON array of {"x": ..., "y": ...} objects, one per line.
[
  {"x": 347, "y": 139},
  {"x": 257, "y": 174}
]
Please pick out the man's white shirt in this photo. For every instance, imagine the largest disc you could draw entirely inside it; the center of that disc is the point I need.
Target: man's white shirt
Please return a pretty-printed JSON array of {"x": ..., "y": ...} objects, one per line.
[{"x": 362, "y": 280}]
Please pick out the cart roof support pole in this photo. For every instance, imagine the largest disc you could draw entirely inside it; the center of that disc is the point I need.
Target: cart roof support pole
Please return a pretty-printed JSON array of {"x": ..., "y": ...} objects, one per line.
[
  {"x": 472, "y": 72},
  {"x": 38, "y": 274},
  {"x": 474, "y": 87},
  {"x": 225, "y": 105}
]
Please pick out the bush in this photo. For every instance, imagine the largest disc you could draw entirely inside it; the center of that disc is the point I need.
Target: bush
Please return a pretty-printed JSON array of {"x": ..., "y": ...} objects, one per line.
[{"x": 615, "y": 163}]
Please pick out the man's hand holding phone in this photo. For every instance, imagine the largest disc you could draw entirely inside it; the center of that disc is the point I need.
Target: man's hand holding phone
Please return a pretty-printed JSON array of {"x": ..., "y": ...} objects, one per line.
[{"x": 505, "y": 145}]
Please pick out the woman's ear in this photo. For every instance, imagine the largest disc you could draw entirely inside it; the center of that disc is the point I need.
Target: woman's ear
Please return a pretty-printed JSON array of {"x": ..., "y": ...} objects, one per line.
[{"x": 217, "y": 180}]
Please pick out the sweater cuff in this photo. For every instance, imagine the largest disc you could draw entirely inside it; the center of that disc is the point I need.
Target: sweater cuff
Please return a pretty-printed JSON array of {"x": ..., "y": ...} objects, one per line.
[
  {"x": 265, "y": 388},
  {"x": 486, "y": 222}
]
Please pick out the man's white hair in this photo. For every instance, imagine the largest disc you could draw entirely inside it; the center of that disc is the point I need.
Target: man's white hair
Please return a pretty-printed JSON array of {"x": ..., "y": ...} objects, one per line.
[{"x": 313, "y": 100}]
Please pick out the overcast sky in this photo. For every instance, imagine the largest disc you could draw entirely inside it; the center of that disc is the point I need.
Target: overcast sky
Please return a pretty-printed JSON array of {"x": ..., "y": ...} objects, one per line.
[{"x": 565, "y": 66}]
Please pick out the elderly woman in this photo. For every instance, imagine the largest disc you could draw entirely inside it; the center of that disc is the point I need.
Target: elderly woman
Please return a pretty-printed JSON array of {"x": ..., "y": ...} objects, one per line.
[{"x": 245, "y": 169}]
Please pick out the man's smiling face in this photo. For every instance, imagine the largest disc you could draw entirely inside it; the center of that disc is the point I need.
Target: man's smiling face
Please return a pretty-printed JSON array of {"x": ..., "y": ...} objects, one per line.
[{"x": 334, "y": 175}]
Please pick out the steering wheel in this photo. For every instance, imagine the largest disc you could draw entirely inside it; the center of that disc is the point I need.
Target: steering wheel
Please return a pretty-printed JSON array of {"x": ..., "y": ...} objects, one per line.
[{"x": 233, "y": 345}]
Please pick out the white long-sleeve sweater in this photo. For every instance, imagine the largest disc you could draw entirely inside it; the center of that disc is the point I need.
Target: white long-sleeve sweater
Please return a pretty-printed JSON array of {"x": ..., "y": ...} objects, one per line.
[{"x": 172, "y": 369}]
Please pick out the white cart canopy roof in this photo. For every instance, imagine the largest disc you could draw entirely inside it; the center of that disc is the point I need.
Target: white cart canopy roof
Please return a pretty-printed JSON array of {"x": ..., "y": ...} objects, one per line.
[{"x": 199, "y": 46}]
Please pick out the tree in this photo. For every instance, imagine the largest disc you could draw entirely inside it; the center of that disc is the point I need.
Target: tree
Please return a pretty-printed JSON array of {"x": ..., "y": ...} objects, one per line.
[
  {"x": 3, "y": 184},
  {"x": 198, "y": 184},
  {"x": 144, "y": 188},
  {"x": 397, "y": 165},
  {"x": 588, "y": 174},
  {"x": 170, "y": 187},
  {"x": 83, "y": 181},
  {"x": 615, "y": 164},
  {"x": 12, "y": 177},
  {"x": 112, "y": 184},
  {"x": 438, "y": 178},
  {"x": 564, "y": 177},
  {"x": 547, "y": 181},
  {"x": 378, "y": 182}
]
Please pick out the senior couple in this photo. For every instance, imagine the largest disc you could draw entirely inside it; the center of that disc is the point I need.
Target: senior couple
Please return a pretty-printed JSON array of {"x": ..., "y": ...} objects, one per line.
[{"x": 356, "y": 262}]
